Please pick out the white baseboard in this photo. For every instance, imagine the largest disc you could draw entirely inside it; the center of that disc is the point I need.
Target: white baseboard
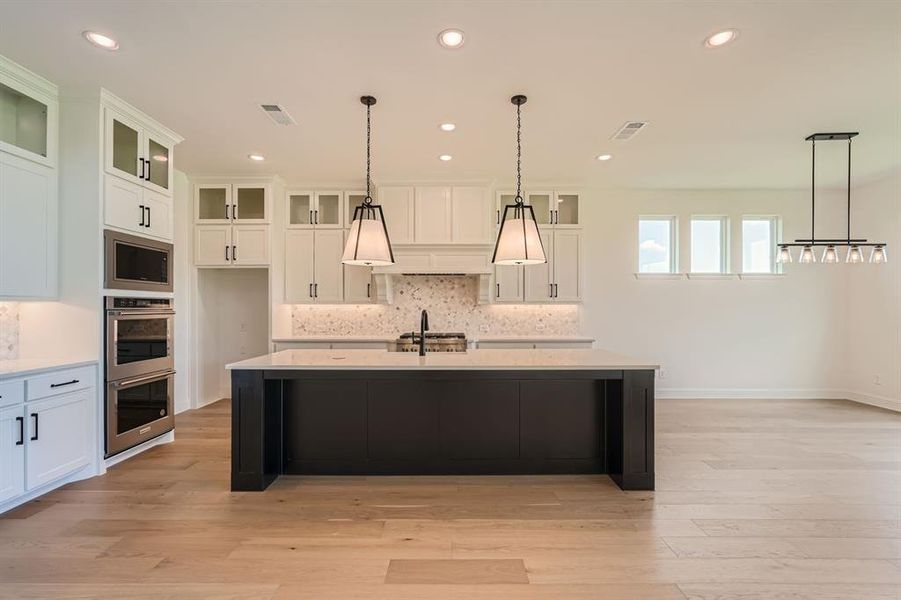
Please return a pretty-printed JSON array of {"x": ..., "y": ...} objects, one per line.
[
  {"x": 166, "y": 438},
  {"x": 776, "y": 394},
  {"x": 85, "y": 472}
]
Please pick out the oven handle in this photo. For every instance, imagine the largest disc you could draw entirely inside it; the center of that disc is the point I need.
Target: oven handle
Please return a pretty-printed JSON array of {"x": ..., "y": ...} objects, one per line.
[
  {"x": 143, "y": 379},
  {"x": 119, "y": 313}
]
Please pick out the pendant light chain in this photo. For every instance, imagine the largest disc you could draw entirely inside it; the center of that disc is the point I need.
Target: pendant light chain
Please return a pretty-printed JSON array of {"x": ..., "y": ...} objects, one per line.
[
  {"x": 368, "y": 199},
  {"x": 519, "y": 198}
]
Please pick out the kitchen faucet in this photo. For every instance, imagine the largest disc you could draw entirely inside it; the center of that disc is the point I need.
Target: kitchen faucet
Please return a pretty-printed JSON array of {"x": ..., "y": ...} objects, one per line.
[{"x": 423, "y": 327}]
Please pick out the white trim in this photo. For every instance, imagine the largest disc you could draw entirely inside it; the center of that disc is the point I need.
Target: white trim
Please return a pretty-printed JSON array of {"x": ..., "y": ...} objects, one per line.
[
  {"x": 753, "y": 276},
  {"x": 166, "y": 438},
  {"x": 710, "y": 275},
  {"x": 777, "y": 394},
  {"x": 85, "y": 472},
  {"x": 880, "y": 401},
  {"x": 110, "y": 100},
  {"x": 660, "y": 276}
]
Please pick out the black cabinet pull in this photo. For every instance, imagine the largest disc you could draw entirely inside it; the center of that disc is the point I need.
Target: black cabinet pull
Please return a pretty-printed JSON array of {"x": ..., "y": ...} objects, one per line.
[
  {"x": 311, "y": 290},
  {"x": 141, "y": 224},
  {"x": 141, "y": 176},
  {"x": 315, "y": 290},
  {"x": 65, "y": 383},
  {"x": 226, "y": 253},
  {"x": 148, "y": 171},
  {"x": 498, "y": 217},
  {"x": 21, "y": 421},
  {"x": 234, "y": 211},
  {"x": 234, "y": 253},
  {"x": 311, "y": 217},
  {"x": 226, "y": 212},
  {"x": 148, "y": 217},
  {"x": 35, "y": 436},
  {"x": 497, "y": 291},
  {"x": 368, "y": 289},
  {"x": 317, "y": 217}
]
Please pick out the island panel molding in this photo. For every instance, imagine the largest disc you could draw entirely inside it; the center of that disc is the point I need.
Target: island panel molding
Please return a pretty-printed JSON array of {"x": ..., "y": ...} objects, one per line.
[{"x": 452, "y": 302}]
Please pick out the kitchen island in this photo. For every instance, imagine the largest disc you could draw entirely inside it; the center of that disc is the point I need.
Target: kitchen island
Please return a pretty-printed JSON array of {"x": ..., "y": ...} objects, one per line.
[{"x": 373, "y": 412}]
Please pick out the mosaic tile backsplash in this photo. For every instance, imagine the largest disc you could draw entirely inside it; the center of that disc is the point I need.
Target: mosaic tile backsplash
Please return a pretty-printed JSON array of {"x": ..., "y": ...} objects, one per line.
[
  {"x": 451, "y": 302},
  {"x": 9, "y": 330}
]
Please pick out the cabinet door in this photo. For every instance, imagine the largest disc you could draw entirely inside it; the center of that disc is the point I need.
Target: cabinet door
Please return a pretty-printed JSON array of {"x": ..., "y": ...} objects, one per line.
[
  {"x": 299, "y": 208},
  {"x": 59, "y": 436},
  {"x": 508, "y": 283},
  {"x": 123, "y": 205},
  {"x": 538, "y": 278},
  {"x": 213, "y": 203},
  {"x": 158, "y": 157},
  {"x": 432, "y": 215},
  {"x": 358, "y": 284},
  {"x": 27, "y": 228},
  {"x": 567, "y": 265},
  {"x": 159, "y": 215},
  {"x": 250, "y": 203},
  {"x": 328, "y": 272},
  {"x": 567, "y": 211},
  {"x": 543, "y": 204},
  {"x": 471, "y": 215},
  {"x": 12, "y": 452},
  {"x": 351, "y": 201},
  {"x": 397, "y": 204},
  {"x": 124, "y": 147},
  {"x": 328, "y": 210},
  {"x": 212, "y": 245},
  {"x": 250, "y": 244},
  {"x": 503, "y": 199},
  {"x": 299, "y": 266}
]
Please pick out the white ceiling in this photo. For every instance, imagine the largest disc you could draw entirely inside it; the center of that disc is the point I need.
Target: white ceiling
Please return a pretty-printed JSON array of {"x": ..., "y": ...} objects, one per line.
[{"x": 731, "y": 117}]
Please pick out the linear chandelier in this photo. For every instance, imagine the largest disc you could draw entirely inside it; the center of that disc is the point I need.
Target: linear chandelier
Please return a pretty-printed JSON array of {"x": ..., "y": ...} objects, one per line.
[{"x": 830, "y": 253}]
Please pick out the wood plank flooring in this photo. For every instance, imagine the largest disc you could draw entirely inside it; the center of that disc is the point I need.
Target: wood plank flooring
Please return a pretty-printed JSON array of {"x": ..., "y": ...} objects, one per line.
[{"x": 755, "y": 500}]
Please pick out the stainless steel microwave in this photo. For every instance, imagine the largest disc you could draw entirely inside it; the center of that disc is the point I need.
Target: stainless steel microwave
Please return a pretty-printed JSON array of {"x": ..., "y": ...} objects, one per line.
[{"x": 137, "y": 263}]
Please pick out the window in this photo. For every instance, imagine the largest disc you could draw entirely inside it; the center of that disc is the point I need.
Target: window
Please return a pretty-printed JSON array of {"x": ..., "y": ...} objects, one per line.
[
  {"x": 708, "y": 245},
  {"x": 758, "y": 250},
  {"x": 656, "y": 245}
]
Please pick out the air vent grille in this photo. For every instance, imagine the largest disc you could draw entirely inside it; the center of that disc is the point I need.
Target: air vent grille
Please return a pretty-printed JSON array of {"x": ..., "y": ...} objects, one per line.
[
  {"x": 629, "y": 130},
  {"x": 277, "y": 114}
]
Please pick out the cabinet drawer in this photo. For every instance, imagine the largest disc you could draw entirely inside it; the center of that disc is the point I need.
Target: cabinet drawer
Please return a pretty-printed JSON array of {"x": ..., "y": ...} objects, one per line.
[
  {"x": 12, "y": 392},
  {"x": 60, "y": 382}
]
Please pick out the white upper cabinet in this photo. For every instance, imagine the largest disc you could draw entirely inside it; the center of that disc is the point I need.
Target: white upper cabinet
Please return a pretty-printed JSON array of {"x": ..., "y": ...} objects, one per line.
[
  {"x": 471, "y": 215},
  {"x": 397, "y": 204},
  {"x": 212, "y": 203},
  {"x": 358, "y": 284},
  {"x": 552, "y": 208},
  {"x": 212, "y": 245},
  {"x": 250, "y": 245},
  {"x": 566, "y": 213},
  {"x": 432, "y": 215},
  {"x": 508, "y": 283},
  {"x": 314, "y": 210},
  {"x": 560, "y": 279},
  {"x": 221, "y": 203},
  {"x": 29, "y": 113},
  {"x": 313, "y": 269},
  {"x": 351, "y": 201},
  {"x": 539, "y": 279},
  {"x": 137, "y": 209},
  {"x": 543, "y": 205},
  {"x": 250, "y": 203},
  {"x": 135, "y": 152}
]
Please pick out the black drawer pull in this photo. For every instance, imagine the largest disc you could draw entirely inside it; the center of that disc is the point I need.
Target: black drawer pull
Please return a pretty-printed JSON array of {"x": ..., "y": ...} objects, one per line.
[
  {"x": 35, "y": 436},
  {"x": 21, "y": 421},
  {"x": 56, "y": 385}
]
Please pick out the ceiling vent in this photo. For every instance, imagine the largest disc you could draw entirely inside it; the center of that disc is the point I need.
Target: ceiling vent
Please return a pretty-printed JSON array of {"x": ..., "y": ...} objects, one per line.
[
  {"x": 278, "y": 114},
  {"x": 628, "y": 131}
]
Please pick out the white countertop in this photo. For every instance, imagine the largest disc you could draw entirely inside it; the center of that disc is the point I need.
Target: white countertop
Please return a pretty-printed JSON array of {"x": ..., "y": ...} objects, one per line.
[
  {"x": 478, "y": 338},
  {"x": 577, "y": 359},
  {"x": 30, "y": 366}
]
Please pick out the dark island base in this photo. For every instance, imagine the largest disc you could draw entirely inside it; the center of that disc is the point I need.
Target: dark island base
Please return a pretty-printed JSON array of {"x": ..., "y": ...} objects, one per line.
[{"x": 442, "y": 423}]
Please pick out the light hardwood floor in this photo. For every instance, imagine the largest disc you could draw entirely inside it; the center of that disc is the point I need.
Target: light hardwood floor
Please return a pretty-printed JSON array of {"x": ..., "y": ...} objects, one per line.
[{"x": 755, "y": 499}]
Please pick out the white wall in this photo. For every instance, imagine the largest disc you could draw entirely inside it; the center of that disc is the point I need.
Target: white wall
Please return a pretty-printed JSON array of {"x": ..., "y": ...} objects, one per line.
[
  {"x": 183, "y": 285},
  {"x": 872, "y": 316}
]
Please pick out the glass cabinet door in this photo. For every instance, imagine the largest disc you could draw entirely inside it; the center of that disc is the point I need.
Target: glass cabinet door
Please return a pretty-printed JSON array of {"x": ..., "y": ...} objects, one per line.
[
  {"x": 158, "y": 159},
  {"x": 300, "y": 209},
  {"x": 23, "y": 121},
  {"x": 328, "y": 209},
  {"x": 351, "y": 201},
  {"x": 542, "y": 203},
  {"x": 567, "y": 209},
  {"x": 213, "y": 203},
  {"x": 250, "y": 203},
  {"x": 504, "y": 199},
  {"x": 126, "y": 148}
]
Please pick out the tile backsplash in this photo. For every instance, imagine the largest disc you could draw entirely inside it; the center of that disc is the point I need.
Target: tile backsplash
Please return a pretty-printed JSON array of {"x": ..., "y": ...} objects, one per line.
[
  {"x": 451, "y": 302},
  {"x": 9, "y": 330}
]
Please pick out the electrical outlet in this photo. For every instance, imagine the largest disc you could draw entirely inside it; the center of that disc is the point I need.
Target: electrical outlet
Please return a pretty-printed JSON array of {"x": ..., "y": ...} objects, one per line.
[{"x": 877, "y": 380}]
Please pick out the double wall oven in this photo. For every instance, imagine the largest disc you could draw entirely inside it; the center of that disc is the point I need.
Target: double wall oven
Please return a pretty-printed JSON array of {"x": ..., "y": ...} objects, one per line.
[{"x": 139, "y": 371}]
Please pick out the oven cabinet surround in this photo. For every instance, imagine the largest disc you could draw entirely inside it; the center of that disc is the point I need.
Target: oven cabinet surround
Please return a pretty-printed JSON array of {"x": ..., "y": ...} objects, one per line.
[
  {"x": 138, "y": 171},
  {"x": 46, "y": 433},
  {"x": 232, "y": 223},
  {"x": 29, "y": 109},
  {"x": 483, "y": 412}
]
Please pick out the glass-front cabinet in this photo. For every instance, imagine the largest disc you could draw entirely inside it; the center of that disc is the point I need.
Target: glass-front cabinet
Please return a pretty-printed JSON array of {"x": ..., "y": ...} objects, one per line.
[
  {"x": 137, "y": 154},
  {"x": 224, "y": 203},
  {"x": 351, "y": 201},
  {"x": 315, "y": 210},
  {"x": 552, "y": 208},
  {"x": 27, "y": 119},
  {"x": 567, "y": 210}
]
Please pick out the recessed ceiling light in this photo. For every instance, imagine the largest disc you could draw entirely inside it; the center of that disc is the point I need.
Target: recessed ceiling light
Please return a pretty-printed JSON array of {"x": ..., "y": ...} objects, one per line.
[
  {"x": 721, "y": 38},
  {"x": 445, "y": 157},
  {"x": 256, "y": 157},
  {"x": 451, "y": 38},
  {"x": 101, "y": 41},
  {"x": 448, "y": 127},
  {"x": 160, "y": 158},
  {"x": 605, "y": 157}
]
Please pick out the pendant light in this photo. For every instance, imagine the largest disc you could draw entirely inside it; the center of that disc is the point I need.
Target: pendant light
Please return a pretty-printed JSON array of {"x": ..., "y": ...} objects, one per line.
[
  {"x": 830, "y": 254},
  {"x": 367, "y": 241},
  {"x": 518, "y": 240}
]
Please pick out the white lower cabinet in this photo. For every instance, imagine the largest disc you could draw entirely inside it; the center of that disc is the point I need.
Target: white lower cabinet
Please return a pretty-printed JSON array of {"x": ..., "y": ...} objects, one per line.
[
  {"x": 12, "y": 452},
  {"x": 132, "y": 207},
  {"x": 313, "y": 269},
  {"x": 58, "y": 437},
  {"x": 231, "y": 245}
]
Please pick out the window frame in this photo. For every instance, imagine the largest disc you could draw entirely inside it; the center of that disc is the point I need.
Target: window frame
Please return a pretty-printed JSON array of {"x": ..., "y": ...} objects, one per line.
[
  {"x": 673, "y": 221},
  {"x": 775, "y": 234},
  {"x": 725, "y": 263}
]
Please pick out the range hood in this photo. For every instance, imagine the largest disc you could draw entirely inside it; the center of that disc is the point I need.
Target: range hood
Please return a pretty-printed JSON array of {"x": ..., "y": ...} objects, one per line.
[
  {"x": 436, "y": 261},
  {"x": 448, "y": 270}
]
